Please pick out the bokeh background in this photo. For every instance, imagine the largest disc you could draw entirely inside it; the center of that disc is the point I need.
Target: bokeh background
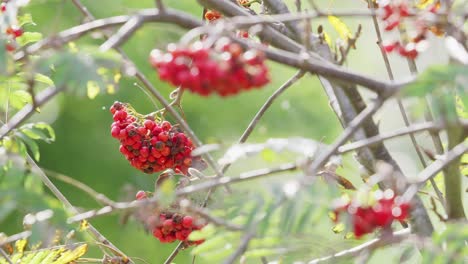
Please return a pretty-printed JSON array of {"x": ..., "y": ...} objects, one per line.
[{"x": 85, "y": 150}]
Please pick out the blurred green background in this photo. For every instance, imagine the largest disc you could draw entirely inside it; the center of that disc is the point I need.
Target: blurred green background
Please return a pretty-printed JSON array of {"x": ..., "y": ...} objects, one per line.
[{"x": 85, "y": 150}]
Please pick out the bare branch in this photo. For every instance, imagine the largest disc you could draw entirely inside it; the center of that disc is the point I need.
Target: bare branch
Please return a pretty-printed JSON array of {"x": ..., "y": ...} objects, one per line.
[
  {"x": 99, "y": 197},
  {"x": 205, "y": 214},
  {"x": 440, "y": 164},
  {"x": 426, "y": 126},
  {"x": 367, "y": 246},
  {"x": 13, "y": 238},
  {"x": 214, "y": 182},
  {"x": 174, "y": 253},
  {"x": 241, "y": 248}
]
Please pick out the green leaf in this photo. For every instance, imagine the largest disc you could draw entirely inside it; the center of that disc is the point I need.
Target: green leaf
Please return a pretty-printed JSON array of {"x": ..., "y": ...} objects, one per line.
[
  {"x": 31, "y": 145},
  {"x": 84, "y": 73},
  {"x": 28, "y": 37},
  {"x": 19, "y": 98},
  {"x": 206, "y": 232},
  {"x": 435, "y": 77},
  {"x": 42, "y": 131},
  {"x": 25, "y": 19},
  {"x": 262, "y": 252},
  {"x": 43, "y": 79},
  {"x": 210, "y": 244}
]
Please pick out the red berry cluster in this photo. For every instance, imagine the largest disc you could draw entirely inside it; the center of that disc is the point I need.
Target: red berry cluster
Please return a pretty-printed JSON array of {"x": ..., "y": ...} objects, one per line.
[
  {"x": 224, "y": 69},
  {"x": 393, "y": 14},
  {"x": 174, "y": 227},
  {"x": 365, "y": 219},
  {"x": 150, "y": 146},
  {"x": 12, "y": 31}
]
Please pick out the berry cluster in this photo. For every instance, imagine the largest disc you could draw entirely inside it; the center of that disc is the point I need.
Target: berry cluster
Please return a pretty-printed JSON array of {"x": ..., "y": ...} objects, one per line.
[
  {"x": 224, "y": 69},
  {"x": 393, "y": 13},
  {"x": 150, "y": 146},
  {"x": 173, "y": 226},
  {"x": 11, "y": 30},
  {"x": 366, "y": 218},
  {"x": 169, "y": 227}
]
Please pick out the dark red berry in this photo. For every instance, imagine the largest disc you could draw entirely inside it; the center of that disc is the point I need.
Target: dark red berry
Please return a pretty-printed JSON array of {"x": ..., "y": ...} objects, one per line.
[{"x": 148, "y": 145}]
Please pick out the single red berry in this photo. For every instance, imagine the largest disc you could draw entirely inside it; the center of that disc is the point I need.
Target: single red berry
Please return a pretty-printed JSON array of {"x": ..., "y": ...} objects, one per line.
[
  {"x": 168, "y": 223},
  {"x": 10, "y": 47},
  {"x": 187, "y": 221},
  {"x": 17, "y": 32},
  {"x": 392, "y": 24}
]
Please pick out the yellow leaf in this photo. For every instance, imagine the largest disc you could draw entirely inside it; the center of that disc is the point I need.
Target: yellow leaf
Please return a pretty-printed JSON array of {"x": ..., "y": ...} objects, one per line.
[
  {"x": 424, "y": 3},
  {"x": 110, "y": 89},
  {"x": 72, "y": 47},
  {"x": 72, "y": 255},
  {"x": 92, "y": 89},
  {"x": 327, "y": 39},
  {"x": 20, "y": 245},
  {"x": 83, "y": 225},
  {"x": 340, "y": 27},
  {"x": 117, "y": 77},
  {"x": 338, "y": 228}
]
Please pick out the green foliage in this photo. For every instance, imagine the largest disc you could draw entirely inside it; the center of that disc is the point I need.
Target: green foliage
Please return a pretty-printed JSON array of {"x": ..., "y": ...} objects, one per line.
[
  {"x": 448, "y": 246},
  {"x": 62, "y": 254},
  {"x": 29, "y": 37},
  {"x": 22, "y": 139},
  {"x": 446, "y": 84},
  {"x": 83, "y": 72}
]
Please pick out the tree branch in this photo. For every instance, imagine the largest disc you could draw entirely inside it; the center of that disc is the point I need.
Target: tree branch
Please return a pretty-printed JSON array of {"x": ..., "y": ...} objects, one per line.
[{"x": 367, "y": 246}]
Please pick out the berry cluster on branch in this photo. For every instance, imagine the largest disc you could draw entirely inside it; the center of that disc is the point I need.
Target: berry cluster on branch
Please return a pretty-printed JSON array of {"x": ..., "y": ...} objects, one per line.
[
  {"x": 394, "y": 13},
  {"x": 150, "y": 145},
  {"x": 10, "y": 30},
  {"x": 171, "y": 226},
  {"x": 380, "y": 212},
  {"x": 223, "y": 68}
]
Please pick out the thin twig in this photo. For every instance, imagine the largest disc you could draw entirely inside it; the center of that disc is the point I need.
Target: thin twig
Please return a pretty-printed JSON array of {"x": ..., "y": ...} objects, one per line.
[
  {"x": 215, "y": 182},
  {"x": 4, "y": 254},
  {"x": 15, "y": 237},
  {"x": 415, "y": 128},
  {"x": 354, "y": 125},
  {"x": 438, "y": 165},
  {"x": 399, "y": 101},
  {"x": 91, "y": 229},
  {"x": 241, "y": 248},
  {"x": 174, "y": 253},
  {"x": 367, "y": 246},
  {"x": 99, "y": 197},
  {"x": 203, "y": 213}
]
